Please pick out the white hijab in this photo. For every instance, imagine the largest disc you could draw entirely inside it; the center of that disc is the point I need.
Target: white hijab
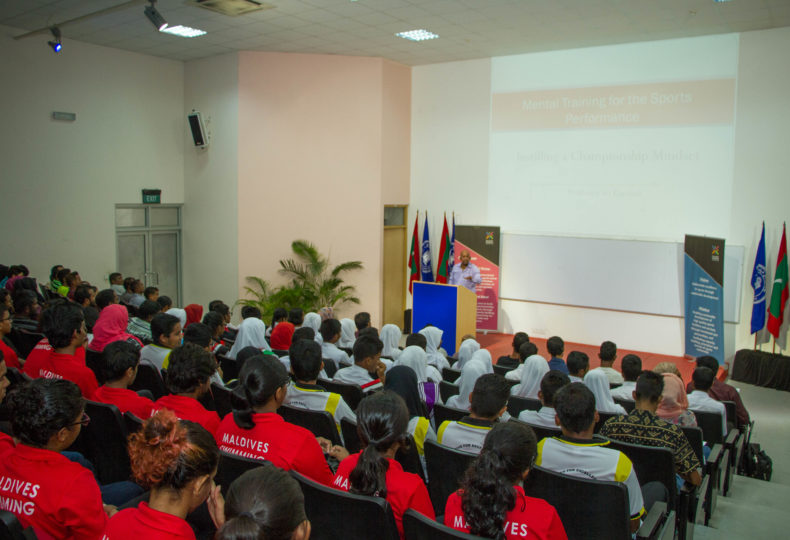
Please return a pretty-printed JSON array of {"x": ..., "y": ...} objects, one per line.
[
  {"x": 535, "y": 367},
  {"x": 347, "y": 331},
  {"x": 390, "y": 336},
  {"x": 597, "y": 381},
  {"x": 484, "y": 357},
  {"x": 252, "y": 333},
  {"x": 180, "y": 314},
  {"x": 465, "y": 352},
  {"x": 433, "y": 337},
  {"x": 472, "y": 371},
  {"x": 313, "y": 320},
  {"x": 414, "y": 357}
]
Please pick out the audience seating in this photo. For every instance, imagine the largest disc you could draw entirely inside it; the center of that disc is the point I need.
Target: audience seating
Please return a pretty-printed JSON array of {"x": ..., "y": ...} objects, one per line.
[
  {"x": 350, "y": 436},
  {"x": 516, "y": 404},
  {"x": 11, "y": 528},
  {"x": 232, "y": 466},
  {"x": 540, "y": 431},
  {"x": 337, "y": 514},
  {"x": 230, "y": 368},
  {"x": 146, "y": 394},
  {"x": 651, "y": 463},
  {"x": 732, "y": 414},
  {"x": 348, "y": 351},
  {"x": 419, "y": 527},
  {"x": 148, "y": 378},
  {"x": 221, "y": 397},
  {"x": 626, "y": 404},
  {"x": 133, "y": 422},
  {"x": 409, "y": 458},
  {"x": 329, "y": 367},
  {"x": 446, "y": 468},
  {"x": 104, "y": 440},
  {"x": 448, "y": 390},
  {"x": 602, "y": 418},
  {"x": 352, "y": 393},
  {"x": 694, "y": 436},
  {"x": 710, "y": 423},
  {"x": 443, "y": 412},
  {"x": 95, "y": 362},
  {"x": 319, "y": 423},
  {"x": 502, "y": 370},
  {"x": 280, "y": 352},
  {"x": 24, "y": 341},
  {"x": 659, "y": 525},
  {"x": 450, "y": 375}
]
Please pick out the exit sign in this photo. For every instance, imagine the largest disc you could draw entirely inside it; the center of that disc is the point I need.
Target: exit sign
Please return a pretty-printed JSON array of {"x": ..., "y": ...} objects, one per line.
[{"x": 152, "y": 196}]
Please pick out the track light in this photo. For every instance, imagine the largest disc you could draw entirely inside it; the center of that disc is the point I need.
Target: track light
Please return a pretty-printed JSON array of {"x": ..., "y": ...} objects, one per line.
[
  {"x": 56, "y": 46},
  {"x": 155, "y": 17}
]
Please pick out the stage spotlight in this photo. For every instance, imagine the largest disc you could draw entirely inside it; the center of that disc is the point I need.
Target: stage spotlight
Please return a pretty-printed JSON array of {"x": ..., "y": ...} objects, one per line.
[
  {"x": 56, "y": 46},
  {"x": 155, "y": 17}
]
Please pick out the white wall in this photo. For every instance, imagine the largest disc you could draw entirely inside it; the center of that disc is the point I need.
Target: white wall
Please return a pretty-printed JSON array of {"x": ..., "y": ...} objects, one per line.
[{"x": 60, "y": 181}]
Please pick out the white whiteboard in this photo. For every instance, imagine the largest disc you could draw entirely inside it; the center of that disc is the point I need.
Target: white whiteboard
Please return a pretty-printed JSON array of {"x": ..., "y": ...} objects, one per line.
[{"x": 624, "y": 275}]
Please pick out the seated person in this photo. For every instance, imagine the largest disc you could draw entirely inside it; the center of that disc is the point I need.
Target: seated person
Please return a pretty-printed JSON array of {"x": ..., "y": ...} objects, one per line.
[
  {"x": 556, "y": 347},
  {"x": 577, "y": 453},
  {"x": 470, "y": 373},
  {"x": 390, "y": 337},
  {"x": 632, "y": 367},
  {"x": 674, "y": 404},
  {"x": 488, "y": 403},
  {"x": 403, "y": 381},
  {"x": 111, "y": 326},
  {"x": 42, "y": 487},
  {"x": 106, "y": 298},
  {"x": 137, "y": 297},
  {"x": 279, "y": 315},
  {"x": 6, "y": 442},
  {"x": 361, "y": 321},
  {"x": 27, "y": 311},
  {"x": 491, "y": 499},
  {"x": 348, "y": 333},
  {"x": 166, "y": 335},
  {"x": 526, "y": 350},
  {"x": 116, "y": 283},
  {"x": 177, "y": 462},
  {"x": 578, "y": 365},
  {"x": 256, "y": 431},
  {"x": 304, "y": 393},
  {"x": 549, "y": 385},
  {"x": 85, "y": 297},
  {"x": 468, "y": 347},
  {"x": 120, "y": 369},
  {"x": 151, "y": 294},
  {"x": 200, "y": 335},
  {"x": 216, "y": 325},
  {"x": 597, "y": 381},
  {"x": 383, "y": 421},
  {"x": 721, "y": 391},
  {"x": 6, "y": 347},
  {"x": 428, "y": 378},
  {"x": 418, "y": 340},
  {"x": 299, "y": 334},
  {"x": 265, "y": 502},
  {"x": 128, "y": 287},
  {"x": 140, "y": 326},
  {"x": 513, "y": 360},
  {"x": 188, "y": 378},
  {"x": 642, "y": 426},
  {"x": 535, "y": 367},
  {"x": 165, "y": 303},
  {"x": 608, "y": 354},
  {"x": 699, "y": 400},
  {"x": 296, "y": 317},
  {"x": 280, "y": 339},
  {"x": 368, "y": 371},
  {"x": 251, "y": 333},
  {"x": 330, "y": 333},
  {"x": 433, "y": 349}
]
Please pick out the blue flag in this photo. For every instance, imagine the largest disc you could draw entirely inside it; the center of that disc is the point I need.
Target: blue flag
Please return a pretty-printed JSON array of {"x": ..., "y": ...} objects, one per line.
[
  {"x": 758, "y": 284},
  {"x": 451, "y": 258},
  {"x": 426, "y": 267}
]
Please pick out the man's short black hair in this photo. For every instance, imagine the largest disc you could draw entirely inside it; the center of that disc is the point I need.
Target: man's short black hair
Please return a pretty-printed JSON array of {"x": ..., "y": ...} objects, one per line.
[
  {"x": 24, "y": 300},
  {"x": 104, "y": 298},
  {"x": 214, "y": 320},
  {"x": 199, "y": 334},
  {"x": 296, "y": 316},
  {"x": 148, "y": 309},
  {"x": 575, "y": 407},
  {"x": 190, "y": 366},
  {"x": 366, "y": 347},
  {"x": 59, "y": 322},
  {"x": 118, "y": 357},
  {"x": 703, "y": 378},
  {"x": 128, "y": 284},
  {"x": 305, "y": 357},
  {"x": 555, "y": 346},
  {"x": 368, "y": 331},
  {"x": 82, "y": 293},
  {"x": 518, "y": 339},
  {"x": 526, "y": 350},
  {"x": 250, "y": 311},
  {"x": 417, "y": 339},
  {"x": 649, "y": 386},
  {"x": 162, "y": 325},
  {"x": 279, "y": 314},
  {"x": 164, "y": 301},
  {"x": 329, "y": 329},
  {"x": 219, "y": 306},
  {"x": 149, "y": 291},
  {"x": 608, "y": 351},
  {"x": 631, "y": 367},
  {"x": 551, "y": 382},
  {"x": 709, "y": 362},
  {"x": 489, "y": 395},
  {"x": 362, "y": 320},
  {"x": 305, "y": 332},
  {"x": 111, "y": 278},
  {"x": 577, "y": 362}
]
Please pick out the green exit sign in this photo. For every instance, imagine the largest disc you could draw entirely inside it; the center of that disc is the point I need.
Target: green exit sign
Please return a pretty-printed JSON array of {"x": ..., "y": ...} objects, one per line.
[{"x": 152, "y": 196}]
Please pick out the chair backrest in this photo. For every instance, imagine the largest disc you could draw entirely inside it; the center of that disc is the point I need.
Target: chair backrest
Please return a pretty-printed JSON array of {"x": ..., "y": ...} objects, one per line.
[
  {"x": 651, "y": 463},
  {"x": 350, "y": 436},
  {"x": 11, "y": 528},
  {"x": 587, "y": 508},
  {"x": 626, "y": 404},
  {"x": 446, "y": 468},
  {"x": 94, "y": 360},
  {"x": 443, "y": 412},
  {"x": 352, "y": 393},
  {"x": 502, "y": 370},
  {"x": 24, "y": 341},
  {"x": 732, "y": 415},
  {"x": 409, "y": 458},
  {"x": 329, "y": 367},
  {"x": 419, "y": 527},
  {"x": 337, "y": 514},
  {"x": 710, "y": 423},
  {"x": 230, "y": 367},
  {"x": 694, "y": 436},
  {"x": 447, "y": 390},
  {"x": 602, "y": 418},
  {"x": 541, "y": 432},
  {"x": 232, "y": 466},
  {"x": 148, "y": 378},
  {"x": 450, "y": 374},
  {"x": 221, "y": 399},
  {"x": 280, "y": 352},
  {"x": 319, "y": 423},
  {"x": 516, "y": 404},
  {"x": 105, "y": 440},
  {"x": 133, "y": 422}
]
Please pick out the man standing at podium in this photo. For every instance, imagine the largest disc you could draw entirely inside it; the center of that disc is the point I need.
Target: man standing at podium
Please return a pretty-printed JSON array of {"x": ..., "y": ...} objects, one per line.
[{"x": 465, "y": 273}]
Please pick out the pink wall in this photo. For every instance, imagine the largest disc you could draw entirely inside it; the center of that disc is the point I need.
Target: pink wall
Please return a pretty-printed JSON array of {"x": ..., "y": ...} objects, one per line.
[
  {"x": 396, "y": 133},
  {"x": 311, "y": 132}
]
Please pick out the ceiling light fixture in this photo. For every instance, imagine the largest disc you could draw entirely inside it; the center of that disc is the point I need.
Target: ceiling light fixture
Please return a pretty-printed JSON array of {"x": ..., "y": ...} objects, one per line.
[
  {"x": 155, "y": 17},
  {"x": 183, "y": 31},
  {"x": 417, "y": 35},
  {"x": 56, "y": 46}
]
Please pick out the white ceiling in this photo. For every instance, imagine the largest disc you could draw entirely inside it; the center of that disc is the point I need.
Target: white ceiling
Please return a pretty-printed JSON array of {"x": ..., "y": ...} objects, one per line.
[{"x": 468, "y": 28}]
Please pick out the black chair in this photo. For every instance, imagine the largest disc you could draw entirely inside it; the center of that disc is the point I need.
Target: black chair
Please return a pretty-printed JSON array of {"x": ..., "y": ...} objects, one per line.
[
  {"x": 732, "y": 414},
  {"x": 146, "y": 394},
  {"x": 502, "y": 370},
  {"x": 448, "y": 390},
  {"x": 602, "y": 418},
  {"x": 148, "y": 378},
  {"x": 280, "y": 352},
  {"x": 329, "y": 367},
  {"x": 337, "y": 514},
  {"x": 350, "y": 436},
  {"x": 349, "y": 351},
  {"x": 133, "y": 503},
  {"x": 516, "y": 404},
  {"x": 626, "y": 404},
  {"x": 319, "y": 423},
  {"x": 446, "y": 468},
  {"x": 541, "y": 432},
  {"x": 133, "y": 422},
  {"x": 232, "y": 466},
  {"x": 419, "y": 527},
  {"x": 105, "y": 439},
  {"x": 221, "y": 397},
  {"x": 450, "y": 375},
  {"x": 16, "y": 377},
  {"x": 24, "y": 341},
  {"x": 441, "y": 413},
  {"x": 409, "y": 458},
  {"x": 95, "y": 362},
  {"x": 710, "y": 423},
  {"x": 352, "y": 393},
  {"x": 651, "y": 464},
  {"x": 229, "y": 366},
  {"x": 694, "y": 436},
  {"x": 11, "y": 529}
]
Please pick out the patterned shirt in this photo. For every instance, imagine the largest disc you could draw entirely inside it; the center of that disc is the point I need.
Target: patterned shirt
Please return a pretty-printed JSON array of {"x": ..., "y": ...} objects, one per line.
[{"x": 647, "y": 429}]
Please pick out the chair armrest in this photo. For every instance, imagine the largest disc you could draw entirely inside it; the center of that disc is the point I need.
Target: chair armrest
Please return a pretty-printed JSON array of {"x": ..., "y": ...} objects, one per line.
[
  {"x": 653, "y": 522},
  {"x": 714, "y": 459},
  {"x": 731, "y": 442},
  {"x": 699, "y": 510}
]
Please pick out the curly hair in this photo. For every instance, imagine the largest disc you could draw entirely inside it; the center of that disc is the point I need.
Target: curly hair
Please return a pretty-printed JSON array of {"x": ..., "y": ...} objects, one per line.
[
  {"x": 190, "y": 366},
  {"x": 42, "y": 407}
]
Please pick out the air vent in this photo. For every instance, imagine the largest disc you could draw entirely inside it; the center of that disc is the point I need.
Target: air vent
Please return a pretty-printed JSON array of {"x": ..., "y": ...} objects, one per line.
[{"x": 232, "y": 8}]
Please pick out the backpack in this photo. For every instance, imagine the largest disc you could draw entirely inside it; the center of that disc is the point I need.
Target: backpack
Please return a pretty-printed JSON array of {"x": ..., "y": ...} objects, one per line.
[{"x": 755, "y": 463}]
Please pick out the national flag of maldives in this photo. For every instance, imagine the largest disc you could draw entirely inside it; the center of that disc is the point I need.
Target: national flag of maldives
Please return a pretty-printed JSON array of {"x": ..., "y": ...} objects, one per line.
[
  {"x": 414, "y": 255},
  {"x": 444, "y": 254},
  {"x": 780, "y": 291}
]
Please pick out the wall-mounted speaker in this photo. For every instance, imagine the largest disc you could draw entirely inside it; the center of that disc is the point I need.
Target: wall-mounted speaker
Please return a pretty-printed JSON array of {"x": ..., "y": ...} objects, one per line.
[{"x": 199, "y": 135}]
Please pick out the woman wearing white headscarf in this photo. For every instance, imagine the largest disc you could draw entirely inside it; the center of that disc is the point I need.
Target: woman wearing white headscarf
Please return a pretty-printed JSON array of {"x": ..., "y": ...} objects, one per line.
[
  {"x": 433, "y": 337},
  {"x": 472, "y": 371},
  {"x": 390, "y": 337},
  {"x": 465, "y": 351},
  {"x": 535, "y": 367},
  {"x": 347, "y": 334},
  {"x": 484, "y": 357},
  {"x": 313, "y": 320},
  {"x": 252, "y": 333},
  {"x": 414, "y": 358},
  {"x": 597, "y": 381},
  {"x": 181, "y": 314}
]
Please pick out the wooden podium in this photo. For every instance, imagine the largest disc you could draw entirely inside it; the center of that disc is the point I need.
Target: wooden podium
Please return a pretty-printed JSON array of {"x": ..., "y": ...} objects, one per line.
[{"x": 451, "y": 308}]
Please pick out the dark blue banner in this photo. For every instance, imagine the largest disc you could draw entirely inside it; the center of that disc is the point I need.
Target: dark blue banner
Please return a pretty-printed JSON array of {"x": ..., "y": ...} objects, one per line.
[{"x": 704, "y": 304}]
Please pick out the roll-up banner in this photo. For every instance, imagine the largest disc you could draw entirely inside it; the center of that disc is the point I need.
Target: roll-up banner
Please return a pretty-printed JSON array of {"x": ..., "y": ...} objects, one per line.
[
  {"x": 482, "y": 242},
  {"x": 704, "y": 304}
]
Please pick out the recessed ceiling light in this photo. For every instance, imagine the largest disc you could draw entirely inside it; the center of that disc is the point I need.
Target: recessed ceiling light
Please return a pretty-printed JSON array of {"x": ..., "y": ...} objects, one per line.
[
  {"x": 417, "y": 35},
  {"x": 183, "y": 31}
]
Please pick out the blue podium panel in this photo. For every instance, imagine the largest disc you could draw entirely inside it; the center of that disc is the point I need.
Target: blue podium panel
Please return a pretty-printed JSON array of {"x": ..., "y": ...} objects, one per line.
[{"x": 436, "y": 305}]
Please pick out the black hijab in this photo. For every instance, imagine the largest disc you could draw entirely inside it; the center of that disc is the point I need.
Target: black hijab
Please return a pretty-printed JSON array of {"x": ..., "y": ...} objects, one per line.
[{"x": 403, "y": 381}]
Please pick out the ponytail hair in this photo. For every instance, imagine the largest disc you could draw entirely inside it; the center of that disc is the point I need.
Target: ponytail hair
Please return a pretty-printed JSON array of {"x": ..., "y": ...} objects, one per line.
[
  {"x": 259, "y": 379},
  {"x": 168, "y": 453},
  {"x": 263, "y": 503},
  {"x": 487, "y": 489},
  {"x": 382, "y": 419}
]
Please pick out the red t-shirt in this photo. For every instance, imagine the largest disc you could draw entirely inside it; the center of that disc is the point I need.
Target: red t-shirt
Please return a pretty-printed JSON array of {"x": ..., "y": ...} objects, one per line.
[
  {"x": 187, "y": 408},
  {"x": 45, "y": 490},
  {"x": 6, "y": 443},
  {"x": 145, "y": 522},
  {"x": 273, "y": 439},
  {"x": 404, "y": 490},
  {"x": 126, "y": 400},
  {"x": 64, "y": 366},
  {"x": 531, "y": 518},
  {"x": 10, "y": 357},
  {"x": 41, "y": 352}
]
